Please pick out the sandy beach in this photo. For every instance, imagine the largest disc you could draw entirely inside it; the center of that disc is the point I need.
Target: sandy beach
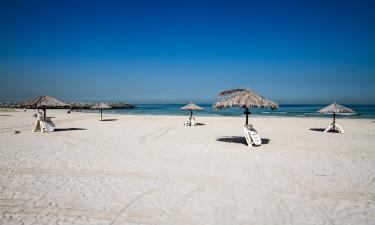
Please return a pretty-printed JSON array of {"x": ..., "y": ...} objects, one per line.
[{"x": 134, "y": 169}]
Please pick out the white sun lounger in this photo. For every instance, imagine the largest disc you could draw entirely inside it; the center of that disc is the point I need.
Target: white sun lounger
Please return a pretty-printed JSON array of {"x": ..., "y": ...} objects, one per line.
[
  {"x": 252, "y": 136},
  {"x": 187, "y": 123},
  {"x": 190, "y": 122},
  {"x": 339, "y": 128},
  {"x": 43, "y": 124},
  {"x": 48, "y": 125},
  {"x": 334, "y": 127}
]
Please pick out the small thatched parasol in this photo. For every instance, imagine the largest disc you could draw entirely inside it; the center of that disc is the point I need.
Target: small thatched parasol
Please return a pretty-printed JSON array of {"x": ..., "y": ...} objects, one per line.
[
  {"x": 44, "y": 102},
  {"x": 243, "y": 98},
  {"x": 101, "y": 106},
  {"x": 335, "y": 109},
  {"x": 191, "y": 107}
]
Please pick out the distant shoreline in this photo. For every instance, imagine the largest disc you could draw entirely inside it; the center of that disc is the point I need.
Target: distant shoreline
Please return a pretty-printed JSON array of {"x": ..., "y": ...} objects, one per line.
[
  {"x": 135, "y": 112},
  {"x": 71, "y": 105},
  {"x": 285, "y": 110}
]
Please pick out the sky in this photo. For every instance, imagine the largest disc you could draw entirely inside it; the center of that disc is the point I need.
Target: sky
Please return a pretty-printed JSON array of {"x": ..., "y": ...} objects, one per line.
[{"x": 178, "y": 51}]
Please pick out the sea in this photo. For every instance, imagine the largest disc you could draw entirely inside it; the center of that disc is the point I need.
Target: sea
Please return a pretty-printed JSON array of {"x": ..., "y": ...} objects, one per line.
[{"x": 285, "y": 110}]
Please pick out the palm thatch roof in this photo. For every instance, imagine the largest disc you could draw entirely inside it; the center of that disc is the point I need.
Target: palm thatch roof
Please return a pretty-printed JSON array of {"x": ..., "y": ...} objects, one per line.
[
  {"x": 336, "y": 109},
  {"x": 231, "y": 91},
  {"x": 101, "y": 105},
  {"x": 192, "y": 106},
  {"x": 44, "y": 102},
  {"x": 243, "y": 98}
]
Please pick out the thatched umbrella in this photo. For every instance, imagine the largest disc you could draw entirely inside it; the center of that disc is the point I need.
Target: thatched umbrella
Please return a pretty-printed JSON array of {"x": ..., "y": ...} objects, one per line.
[
  {"x": 243, "y": 98},
  {"x": 44, "y": 102},
  {"x": 101, "y": 106},
  {"x": 335, "y": 109},
  {"x": 191, "y": 107}
]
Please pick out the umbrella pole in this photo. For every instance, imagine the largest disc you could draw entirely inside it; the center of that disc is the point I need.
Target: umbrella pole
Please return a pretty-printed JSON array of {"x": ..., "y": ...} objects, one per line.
[
  {"x": 101, "y": 114},
  {"x": 247, "y": 116},
  {"x": 334, "y": 121},
  {"x": 191, "y": 113},
  {"x": 44, "y": 112}
]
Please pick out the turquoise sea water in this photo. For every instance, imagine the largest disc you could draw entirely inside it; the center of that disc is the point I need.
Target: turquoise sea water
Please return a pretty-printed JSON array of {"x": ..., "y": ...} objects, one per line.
[{"x": 293, "y": 110}]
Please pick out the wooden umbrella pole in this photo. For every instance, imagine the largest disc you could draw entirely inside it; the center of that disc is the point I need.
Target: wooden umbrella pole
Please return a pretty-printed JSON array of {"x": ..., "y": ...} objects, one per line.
[
  {"x": 334, "y": 121},
  {"x": 101, "y": 114},
  {"x": 44, "y": 112},
  {"x": 247, "y": 115},
  {"x": 191, "y": 113}
]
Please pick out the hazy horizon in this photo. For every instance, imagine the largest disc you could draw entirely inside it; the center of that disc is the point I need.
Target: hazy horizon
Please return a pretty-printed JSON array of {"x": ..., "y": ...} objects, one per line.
[{"x": 291, "y": 52}]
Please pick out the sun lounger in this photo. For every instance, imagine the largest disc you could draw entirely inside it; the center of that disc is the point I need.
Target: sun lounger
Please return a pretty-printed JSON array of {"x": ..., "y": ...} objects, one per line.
[
  {"x": 43, "y": 124},
  {"x": 335, "y": 128},
  {"x": 48, "y": 125},
  {"x": 252, "y": 136},
  {"x": 190, "y": 122},
  {"x": 37, "y": 126},
  {"x": 187, "y": 123},
  {"x": 329, "y": 128},
  {"x": 339, "y": 128}
]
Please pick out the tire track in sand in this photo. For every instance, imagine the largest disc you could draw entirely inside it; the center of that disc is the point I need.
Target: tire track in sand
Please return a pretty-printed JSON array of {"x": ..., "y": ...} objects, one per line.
[
  {"x": 79, "y": 173},
  {"x": 155, "y": 135}
]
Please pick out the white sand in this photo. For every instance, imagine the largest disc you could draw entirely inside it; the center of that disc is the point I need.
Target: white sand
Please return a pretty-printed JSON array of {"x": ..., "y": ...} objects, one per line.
[{"x": 153, "y": 170}]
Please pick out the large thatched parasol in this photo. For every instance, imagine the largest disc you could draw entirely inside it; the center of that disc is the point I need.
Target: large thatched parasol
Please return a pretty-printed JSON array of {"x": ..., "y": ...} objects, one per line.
[
  {"x": 191, "y": 107},
  {"x": 44, "y": 102},
  {"x": 243, "y": 98},
  {"x": 101, "y": 106},
  {"x": 335, "y": 109}
]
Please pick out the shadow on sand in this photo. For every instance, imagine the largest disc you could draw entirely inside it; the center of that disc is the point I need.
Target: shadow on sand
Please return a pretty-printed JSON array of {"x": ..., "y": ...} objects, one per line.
[
  {"x": 200, "y": 124},
  {"x": 317, "y": 129},
  {"x": 68, "y": 129},
  {"x": 322, "y": 130},
  {"x": 239, "y": 140},
  {"x": 108, "y": 120},
  {"x": 5, "y": 115}
]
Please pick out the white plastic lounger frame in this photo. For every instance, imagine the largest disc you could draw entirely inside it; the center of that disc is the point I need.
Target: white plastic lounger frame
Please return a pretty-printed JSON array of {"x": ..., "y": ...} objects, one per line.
[
  {"x": 49, "y": 126},
  {"x": 190, "y": 121},
  {"x": 43, "y": 124},
  {"x": 252, "y": 136},
  {"x": 334, "y": 127},
  {"x": 187, "y": 123},
  {"x": 38, "y": 124}
]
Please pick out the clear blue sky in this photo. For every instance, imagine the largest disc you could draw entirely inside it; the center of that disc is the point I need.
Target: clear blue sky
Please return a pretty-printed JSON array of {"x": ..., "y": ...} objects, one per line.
[{"x": 175, "y": 51}]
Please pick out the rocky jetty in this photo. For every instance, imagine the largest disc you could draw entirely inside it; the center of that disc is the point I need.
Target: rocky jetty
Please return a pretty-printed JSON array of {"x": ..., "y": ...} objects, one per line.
[{"x": 10, "y": 105}]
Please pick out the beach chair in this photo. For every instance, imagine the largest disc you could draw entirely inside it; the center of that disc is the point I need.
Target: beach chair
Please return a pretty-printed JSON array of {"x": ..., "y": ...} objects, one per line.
[
  {"x": 43, "y": 124},
  {"x": 339, "y": 128},
  {"x": 334, "y": 127},
  {"x": 192, "y": 121},
  {"x": 48, "y": 125},
  {"x": 37, "y": 125},
  {"x": 187, "y": 123},
  {"x": 252, "y": 136}
]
